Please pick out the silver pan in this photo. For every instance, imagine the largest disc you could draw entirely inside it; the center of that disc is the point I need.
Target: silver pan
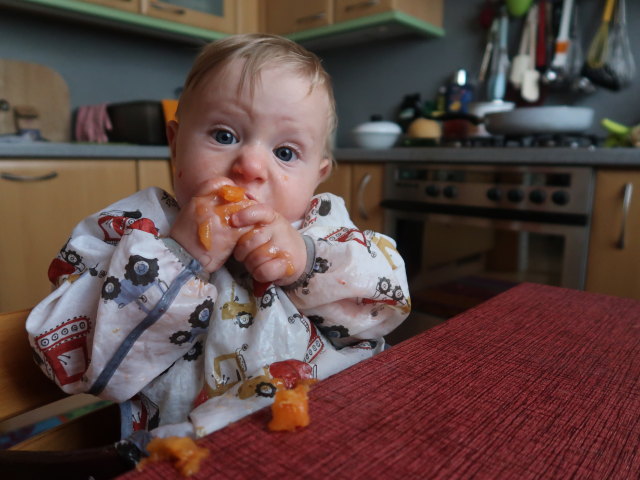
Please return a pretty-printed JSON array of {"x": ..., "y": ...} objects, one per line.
[
  {"x": 539, "y": 120},
  {"x": 531, "y": 120}
]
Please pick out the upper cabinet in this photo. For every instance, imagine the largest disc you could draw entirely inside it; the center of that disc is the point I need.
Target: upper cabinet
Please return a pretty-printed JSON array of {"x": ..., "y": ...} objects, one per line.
[
  {"x": 217, "y": 15},
  {"x": 313, "y": 23}
]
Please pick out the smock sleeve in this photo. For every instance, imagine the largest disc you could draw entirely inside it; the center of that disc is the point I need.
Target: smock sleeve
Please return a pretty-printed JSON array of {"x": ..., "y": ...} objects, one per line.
[
  {"x": 356, "y": 287},
  {"x": 126, "y": 303}
]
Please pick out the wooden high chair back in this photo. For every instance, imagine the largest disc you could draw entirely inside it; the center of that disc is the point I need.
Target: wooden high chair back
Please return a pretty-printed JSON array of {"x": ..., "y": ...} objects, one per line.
[{"x": 80, "y": 447}]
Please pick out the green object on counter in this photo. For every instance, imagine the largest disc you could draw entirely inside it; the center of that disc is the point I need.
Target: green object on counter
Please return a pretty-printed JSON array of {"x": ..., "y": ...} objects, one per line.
[{"x": 620, "y": 135}]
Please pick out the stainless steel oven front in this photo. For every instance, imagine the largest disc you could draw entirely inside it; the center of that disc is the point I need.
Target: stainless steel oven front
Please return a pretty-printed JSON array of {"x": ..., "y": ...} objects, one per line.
[{"x": 468, "y": 232}]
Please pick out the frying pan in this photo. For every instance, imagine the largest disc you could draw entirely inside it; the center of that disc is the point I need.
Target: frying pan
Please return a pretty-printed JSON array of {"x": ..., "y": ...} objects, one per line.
[{"x": 531, "y": 120}]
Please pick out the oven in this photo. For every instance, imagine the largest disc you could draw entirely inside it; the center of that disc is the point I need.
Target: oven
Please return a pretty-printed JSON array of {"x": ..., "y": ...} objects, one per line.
[{"x": 468, "y": 232}]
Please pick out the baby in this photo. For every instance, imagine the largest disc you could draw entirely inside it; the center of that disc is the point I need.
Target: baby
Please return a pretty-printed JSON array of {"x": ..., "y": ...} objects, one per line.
[{"x": 184, "y": 310}]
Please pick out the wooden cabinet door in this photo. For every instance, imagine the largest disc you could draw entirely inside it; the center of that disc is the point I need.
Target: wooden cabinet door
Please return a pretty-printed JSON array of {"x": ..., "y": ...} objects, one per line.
[
  {"x": 366, "y": 195},
  {"x": 614, "y": 247},
  {"x": 127, "y": 5},
  {"x": 154, "y": 173},
  {"x": 219, "y": 15},
  {"x": 290, "y": 16},
  {"x": 339, "y": 183},
  {"x": 428, "y": 10},
  {"x": 40, "y": 203}
]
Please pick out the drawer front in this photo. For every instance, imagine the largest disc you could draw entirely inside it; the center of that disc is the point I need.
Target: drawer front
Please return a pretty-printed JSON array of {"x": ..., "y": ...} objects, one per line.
[
  {"x": 287, "y": 16},
  {"x": 427, "y": 10},
  {"x": 218, "y": 15},
  {"x": 127, "y": 5}
]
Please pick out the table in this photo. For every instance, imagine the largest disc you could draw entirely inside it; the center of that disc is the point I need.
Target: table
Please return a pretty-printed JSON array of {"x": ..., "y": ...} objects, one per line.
[{"x": 537, "y": 383}]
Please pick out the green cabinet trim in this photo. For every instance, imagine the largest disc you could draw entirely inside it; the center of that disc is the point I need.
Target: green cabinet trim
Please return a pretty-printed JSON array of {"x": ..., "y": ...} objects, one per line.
[
  {"x": 406, "y": 22},
  {"x": 112, "y": 16}
]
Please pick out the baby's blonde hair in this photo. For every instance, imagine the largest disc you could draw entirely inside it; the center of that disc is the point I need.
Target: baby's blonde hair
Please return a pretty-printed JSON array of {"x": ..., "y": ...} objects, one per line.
[{"x": 259, "y": 51}]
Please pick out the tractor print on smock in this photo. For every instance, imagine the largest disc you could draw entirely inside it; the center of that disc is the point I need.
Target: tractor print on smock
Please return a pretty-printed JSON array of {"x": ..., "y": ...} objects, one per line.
[
  {"x": 140, "y": 275},
  {"x": 117, "y": 223}
]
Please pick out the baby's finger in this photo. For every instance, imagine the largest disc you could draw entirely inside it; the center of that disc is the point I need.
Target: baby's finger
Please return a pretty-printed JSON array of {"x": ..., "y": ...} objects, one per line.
[
  {"x": 270, "y": 271},
  {"x": 250, "y": 241},
  {"x": 254, "y": 214}
]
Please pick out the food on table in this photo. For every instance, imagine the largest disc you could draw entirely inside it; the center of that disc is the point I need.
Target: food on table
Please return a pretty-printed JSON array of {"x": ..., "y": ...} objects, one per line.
[
  {"x": 290, "y": 409},
  {"x": 185, "y": 454}
]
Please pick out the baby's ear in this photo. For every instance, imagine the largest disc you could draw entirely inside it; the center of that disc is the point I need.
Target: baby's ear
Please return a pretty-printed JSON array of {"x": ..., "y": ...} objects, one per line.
[
  {"x": 172, "y": 133},
  {"x": 326, "y": 165}
]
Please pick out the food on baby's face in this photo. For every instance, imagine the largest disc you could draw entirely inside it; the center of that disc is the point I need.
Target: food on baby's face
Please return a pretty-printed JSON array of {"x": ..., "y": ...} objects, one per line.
[
  {"x": 183, "y": 452},
  {"x": 231, "y": 193}
]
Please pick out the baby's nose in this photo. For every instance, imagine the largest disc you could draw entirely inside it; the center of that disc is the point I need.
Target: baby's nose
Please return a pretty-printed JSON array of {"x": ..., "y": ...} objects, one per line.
[{"x": 251, "y": 163}]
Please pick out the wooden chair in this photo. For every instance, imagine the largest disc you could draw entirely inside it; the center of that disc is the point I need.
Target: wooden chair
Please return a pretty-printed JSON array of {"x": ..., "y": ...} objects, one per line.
[{"x": 80, "y": 448}]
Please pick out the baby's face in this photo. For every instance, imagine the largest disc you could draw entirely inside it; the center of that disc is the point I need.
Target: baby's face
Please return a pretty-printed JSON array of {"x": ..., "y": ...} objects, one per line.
[{"x": 271, "y": 143}]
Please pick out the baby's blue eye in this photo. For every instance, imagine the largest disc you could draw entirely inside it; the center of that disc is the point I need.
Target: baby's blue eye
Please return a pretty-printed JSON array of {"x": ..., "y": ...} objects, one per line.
[
  {"x": 284, "y": 153},
  {"x": 225, "y": 137}
]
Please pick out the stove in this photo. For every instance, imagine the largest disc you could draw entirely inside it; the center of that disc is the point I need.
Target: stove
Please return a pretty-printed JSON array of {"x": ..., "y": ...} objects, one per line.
[{"x": 577, "y": 140}]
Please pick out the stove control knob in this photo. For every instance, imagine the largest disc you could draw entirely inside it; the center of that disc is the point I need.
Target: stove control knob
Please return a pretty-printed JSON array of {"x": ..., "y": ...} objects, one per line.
[
  {"x": 538, "y": 196},
  {"x": 450, "y": 191},
  {"x": 560, "y": 197},
  {"x": 494, "y": 193},
  {"x": 432, "y": 190},
  {"x": 515, "y": 195}
]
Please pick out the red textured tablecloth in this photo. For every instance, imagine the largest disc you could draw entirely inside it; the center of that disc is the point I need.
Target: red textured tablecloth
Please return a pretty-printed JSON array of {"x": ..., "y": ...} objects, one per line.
[{"x": 538, "y": 382}]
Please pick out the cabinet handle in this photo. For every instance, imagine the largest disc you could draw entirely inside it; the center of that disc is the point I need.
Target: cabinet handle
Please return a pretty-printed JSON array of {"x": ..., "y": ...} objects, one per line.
[
  {"x": 28, "y": 178},
  {"x": 168, "y": 8},
  {"x": 365, "y": 4},
  {"x": 362, "y": 210},
  {"x": 626, "y": 202},
  {"x": 311, "y": 18}
]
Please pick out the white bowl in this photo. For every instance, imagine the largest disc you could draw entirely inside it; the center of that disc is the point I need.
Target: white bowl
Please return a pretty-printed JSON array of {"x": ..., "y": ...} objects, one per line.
[{"x": 375, "y": 140}]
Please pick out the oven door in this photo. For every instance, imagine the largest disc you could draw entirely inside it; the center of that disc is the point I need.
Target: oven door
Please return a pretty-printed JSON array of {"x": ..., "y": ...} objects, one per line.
[{"x": 455, "y": 262}]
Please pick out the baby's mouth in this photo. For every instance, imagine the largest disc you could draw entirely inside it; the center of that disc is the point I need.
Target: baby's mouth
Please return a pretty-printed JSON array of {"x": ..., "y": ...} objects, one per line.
[{"x": 250, "y": 196}]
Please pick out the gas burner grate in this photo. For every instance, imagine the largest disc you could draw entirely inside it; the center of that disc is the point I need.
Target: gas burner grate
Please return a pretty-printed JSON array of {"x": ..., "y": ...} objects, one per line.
[{"x": 539, "y": 140}]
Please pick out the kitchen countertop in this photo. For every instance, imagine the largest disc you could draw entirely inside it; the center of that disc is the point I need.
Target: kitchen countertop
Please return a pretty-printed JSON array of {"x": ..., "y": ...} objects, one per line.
[{"x": 602, "y": 157}]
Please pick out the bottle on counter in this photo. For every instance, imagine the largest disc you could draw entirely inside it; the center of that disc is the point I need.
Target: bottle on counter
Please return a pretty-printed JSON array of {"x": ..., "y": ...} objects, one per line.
[{"x": 459, "y": 93}]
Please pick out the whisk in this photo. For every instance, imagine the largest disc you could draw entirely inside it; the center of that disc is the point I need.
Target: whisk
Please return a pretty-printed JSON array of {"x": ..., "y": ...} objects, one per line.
[{"x": 620, "y": 56}]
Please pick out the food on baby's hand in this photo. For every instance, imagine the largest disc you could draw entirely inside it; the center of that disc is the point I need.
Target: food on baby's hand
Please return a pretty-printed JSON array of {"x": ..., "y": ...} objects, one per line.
[
  {"x": 235, "y": 200},
  {"x": 183, "y": 452}
]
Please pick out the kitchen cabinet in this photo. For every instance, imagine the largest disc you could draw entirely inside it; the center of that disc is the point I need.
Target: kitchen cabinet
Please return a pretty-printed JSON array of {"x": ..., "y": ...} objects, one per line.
[
  {"x": 126, "y": 5},
  {"x": 217, "y": 15},
  {"x": 426, "y": 10},
  {"x": 40, "y": 203},
  {"x": 614, "y": 247},
  {"x": 360, "y": 185},
  {"x": 286, "y": 16},
  {"x": 154, "y": 173}
]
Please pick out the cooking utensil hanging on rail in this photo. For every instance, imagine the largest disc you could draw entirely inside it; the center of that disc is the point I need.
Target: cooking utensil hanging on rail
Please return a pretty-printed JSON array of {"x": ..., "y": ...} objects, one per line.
[
  {"x": 497, "y": 83},
  {"x": 620, "y": 59},
  {"x": 596, "y": 67}
]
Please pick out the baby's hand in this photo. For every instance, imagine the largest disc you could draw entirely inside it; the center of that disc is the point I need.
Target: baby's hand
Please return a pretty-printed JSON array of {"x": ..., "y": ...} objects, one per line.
[
  {"x": 273, "y": 251},
  {"x": 202, "y": 227}
]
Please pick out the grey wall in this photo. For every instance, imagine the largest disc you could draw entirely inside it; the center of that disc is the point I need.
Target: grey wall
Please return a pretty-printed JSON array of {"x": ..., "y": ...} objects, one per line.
[{"x": 106, "y": 65}]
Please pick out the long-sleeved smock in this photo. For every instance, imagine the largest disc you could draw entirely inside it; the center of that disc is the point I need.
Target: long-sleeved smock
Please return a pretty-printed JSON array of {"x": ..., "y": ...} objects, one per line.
[{"x": 136, "y": 320}]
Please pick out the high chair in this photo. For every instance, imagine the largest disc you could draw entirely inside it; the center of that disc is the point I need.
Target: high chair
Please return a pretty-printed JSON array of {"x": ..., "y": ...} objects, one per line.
[{"x": 83, "y": 447}]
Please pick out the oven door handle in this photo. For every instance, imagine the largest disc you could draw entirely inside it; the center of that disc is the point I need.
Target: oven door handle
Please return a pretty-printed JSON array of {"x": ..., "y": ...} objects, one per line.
[{"x": 626, "y": 203}]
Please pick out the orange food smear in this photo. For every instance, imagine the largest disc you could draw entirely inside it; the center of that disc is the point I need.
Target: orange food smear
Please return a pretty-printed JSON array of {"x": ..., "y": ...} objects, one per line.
[
  {"x": 185, "y": 454},
  {"x": 231, "y": 193},
  {"x": 290, "y": 410},
  {"x": 204, "y": 234},
  {"x": 268, "y": 249},
  {"x": 236, "y": 200}
]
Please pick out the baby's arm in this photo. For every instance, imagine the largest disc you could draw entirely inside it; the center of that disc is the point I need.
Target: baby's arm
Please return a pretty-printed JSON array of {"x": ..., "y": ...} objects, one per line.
[
  {"x": 126, "y": 307},
  {"x": 357, "y": 288},
  {"x": 202, "y": 227}
]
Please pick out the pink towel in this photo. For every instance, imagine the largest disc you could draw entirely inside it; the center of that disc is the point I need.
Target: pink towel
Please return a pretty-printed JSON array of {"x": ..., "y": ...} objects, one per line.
[{"x": 92, "y": 123}]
